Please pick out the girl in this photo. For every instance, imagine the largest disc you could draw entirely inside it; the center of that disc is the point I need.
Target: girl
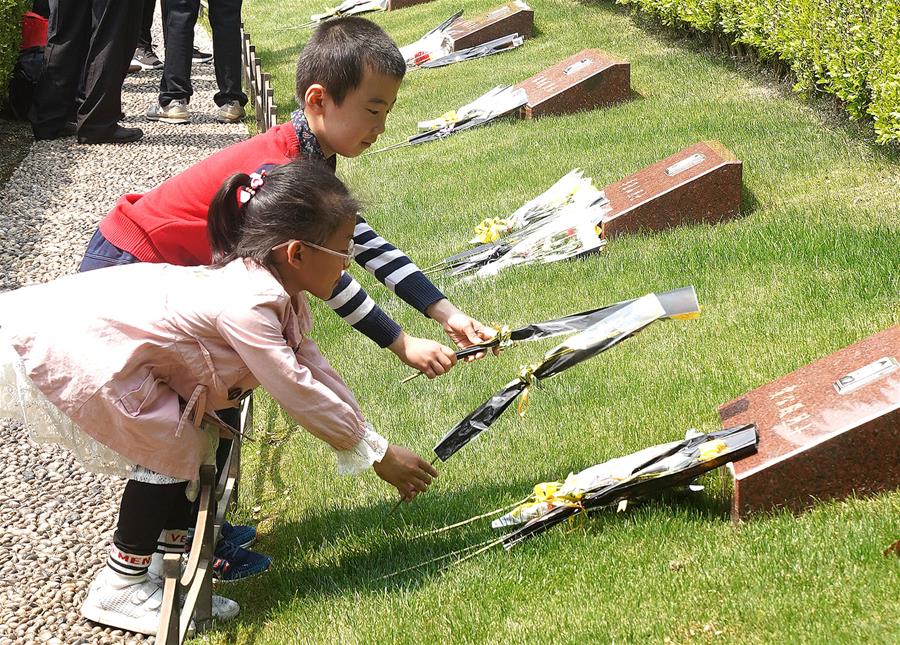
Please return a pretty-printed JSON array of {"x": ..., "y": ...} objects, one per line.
[{"x": 120, "y": 366}]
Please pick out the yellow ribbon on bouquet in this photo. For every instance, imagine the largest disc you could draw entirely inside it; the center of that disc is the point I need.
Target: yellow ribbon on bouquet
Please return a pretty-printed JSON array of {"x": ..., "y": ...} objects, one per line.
[
  {"x": 491, "y": 229},
  {"x": 546, "y": 494},
  {"x": 526, "y": 375}
]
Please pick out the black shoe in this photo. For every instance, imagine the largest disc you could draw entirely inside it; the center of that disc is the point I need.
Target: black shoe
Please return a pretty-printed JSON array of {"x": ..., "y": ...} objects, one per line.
[
  {"x": 146, "y": 59},
  {"x": 198, "y": 56},
  {"x": 68, "y": 130},
  {"x": 119, "y": 135}
]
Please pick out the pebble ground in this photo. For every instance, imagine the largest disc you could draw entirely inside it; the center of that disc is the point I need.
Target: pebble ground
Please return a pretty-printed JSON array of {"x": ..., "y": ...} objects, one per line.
[{"x": 56, "y": 519}]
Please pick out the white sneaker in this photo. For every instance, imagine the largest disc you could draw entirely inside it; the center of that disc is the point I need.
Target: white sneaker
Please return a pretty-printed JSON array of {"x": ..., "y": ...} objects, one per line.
[
  {"x": 175, "y": 112},
  {"x": 231, "y": 112},
  {"x": 222, "y": 608},
  {"x": 115, "y": 601}
]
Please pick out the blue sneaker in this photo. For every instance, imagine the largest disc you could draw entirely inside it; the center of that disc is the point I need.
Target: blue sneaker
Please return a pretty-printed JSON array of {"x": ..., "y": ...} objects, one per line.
[
  {"x": 232, "y": 562},
  {"x": 239, "y": 534}
]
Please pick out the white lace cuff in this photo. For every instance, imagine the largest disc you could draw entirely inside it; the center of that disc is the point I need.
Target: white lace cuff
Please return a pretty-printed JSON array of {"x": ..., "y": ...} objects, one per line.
[{"x": 371, "y": 448}]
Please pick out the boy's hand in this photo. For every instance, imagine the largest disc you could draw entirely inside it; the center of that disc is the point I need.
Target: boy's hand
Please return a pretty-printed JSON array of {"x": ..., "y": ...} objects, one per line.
[
  {"x": 462, "y": 329},
  {"x": 427, "y": 356},
  {"x": 406, "y": 471}
]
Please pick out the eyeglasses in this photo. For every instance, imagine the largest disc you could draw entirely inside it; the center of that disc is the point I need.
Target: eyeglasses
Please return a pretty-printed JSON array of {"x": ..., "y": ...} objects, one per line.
[{"x": 348, "y": 256}]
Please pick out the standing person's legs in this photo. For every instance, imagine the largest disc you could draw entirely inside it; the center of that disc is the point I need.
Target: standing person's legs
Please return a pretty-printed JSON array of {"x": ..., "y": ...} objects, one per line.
[
  {"x": 68, "y": 41},
  {"x": 180, "y": 16},
  {"x": 145, "y": 37},
  {"x": 144, "y": 56},
  {"x": 116, "y": 25},
  {"x": 225, "y": 21}
]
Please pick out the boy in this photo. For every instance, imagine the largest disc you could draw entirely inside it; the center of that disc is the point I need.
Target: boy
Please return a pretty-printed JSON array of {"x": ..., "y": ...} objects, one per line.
[{"x": 347, "y": 80}]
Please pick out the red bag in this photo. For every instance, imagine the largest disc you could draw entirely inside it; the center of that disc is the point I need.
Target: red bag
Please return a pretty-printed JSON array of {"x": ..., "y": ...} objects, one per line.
[{"x": 34, "y": 31}]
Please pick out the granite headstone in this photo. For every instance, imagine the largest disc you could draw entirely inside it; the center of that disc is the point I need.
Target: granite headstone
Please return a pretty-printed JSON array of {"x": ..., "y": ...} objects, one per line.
[
  {"x": 511, "y": 18},
  {"x": 587, "y": 80},
  {"x": 828, "y": 430},
  {"x": 702, "y": 183}
]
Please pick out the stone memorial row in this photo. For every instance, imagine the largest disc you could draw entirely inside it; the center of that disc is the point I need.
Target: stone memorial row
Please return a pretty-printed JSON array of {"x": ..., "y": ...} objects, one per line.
[{"x": 826, "y": 431}]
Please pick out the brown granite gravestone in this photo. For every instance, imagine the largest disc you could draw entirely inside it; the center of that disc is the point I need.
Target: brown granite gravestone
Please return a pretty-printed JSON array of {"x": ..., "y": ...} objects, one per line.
[
  {"x": 585, "y": 81},
  {"x": 393, "y": 5},
  {"x": 513, "y": 17},
  {"x": 829, "y": 429},
  {"x": 701, "y": 183}
]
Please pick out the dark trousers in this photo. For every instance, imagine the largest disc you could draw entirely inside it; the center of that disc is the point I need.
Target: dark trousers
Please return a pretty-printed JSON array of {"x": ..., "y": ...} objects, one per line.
[
  {"x": 89, "y": 48},
  {"x": 147, "y": 509},
  {"x": 179, "y": 17},
  {"x": 145, "y": 38}
]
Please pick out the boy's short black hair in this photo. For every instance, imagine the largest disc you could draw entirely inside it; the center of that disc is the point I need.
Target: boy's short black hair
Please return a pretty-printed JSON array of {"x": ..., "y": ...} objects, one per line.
[{"x": 339, "y": 51}]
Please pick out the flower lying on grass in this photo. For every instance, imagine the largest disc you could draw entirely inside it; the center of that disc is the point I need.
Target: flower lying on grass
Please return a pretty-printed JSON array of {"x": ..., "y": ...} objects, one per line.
[
  {"x": 561, "y": 223},
  {"x": 349, "y": 8},
  {"x": 493, "y": 104}
]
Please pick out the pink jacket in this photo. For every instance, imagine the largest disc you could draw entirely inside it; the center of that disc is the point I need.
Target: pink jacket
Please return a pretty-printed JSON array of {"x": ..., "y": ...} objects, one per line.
[{"x": 134, "y": 354}]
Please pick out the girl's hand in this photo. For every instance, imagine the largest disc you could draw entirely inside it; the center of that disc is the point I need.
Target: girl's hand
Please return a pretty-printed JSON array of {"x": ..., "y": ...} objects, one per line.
[
  {"x": 406, "y": 471},
  {"x": 427, "y": 356}
]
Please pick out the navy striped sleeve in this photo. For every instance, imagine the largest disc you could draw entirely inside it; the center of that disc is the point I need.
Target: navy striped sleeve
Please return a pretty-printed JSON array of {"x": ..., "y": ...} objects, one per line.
[
  {"x": 350, "y": 301},
  {"x": 393, "y": 268}
]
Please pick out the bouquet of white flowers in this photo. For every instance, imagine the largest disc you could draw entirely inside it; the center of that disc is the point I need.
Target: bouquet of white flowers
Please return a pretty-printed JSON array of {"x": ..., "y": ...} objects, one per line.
[{"x": 349, "y": 8}]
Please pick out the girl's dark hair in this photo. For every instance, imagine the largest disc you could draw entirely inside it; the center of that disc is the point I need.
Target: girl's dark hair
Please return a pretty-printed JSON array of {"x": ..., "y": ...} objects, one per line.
[{"x": 301, "y": 200}]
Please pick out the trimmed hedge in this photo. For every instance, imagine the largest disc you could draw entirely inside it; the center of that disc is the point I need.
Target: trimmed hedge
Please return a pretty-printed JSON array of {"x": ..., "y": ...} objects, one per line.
[
  {"x": 848, "y": 48},
  {"x": 11, "y": 12}
]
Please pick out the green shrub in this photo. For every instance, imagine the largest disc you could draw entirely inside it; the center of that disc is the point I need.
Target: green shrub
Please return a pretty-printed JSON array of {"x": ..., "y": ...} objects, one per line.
[
  {"x": 11, "y": 12},
  {"x": 847, "y": 48}
]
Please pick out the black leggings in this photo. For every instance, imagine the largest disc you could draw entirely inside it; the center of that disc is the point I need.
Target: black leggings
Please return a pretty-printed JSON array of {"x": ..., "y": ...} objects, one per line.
[{"x": 146, "y": 510}]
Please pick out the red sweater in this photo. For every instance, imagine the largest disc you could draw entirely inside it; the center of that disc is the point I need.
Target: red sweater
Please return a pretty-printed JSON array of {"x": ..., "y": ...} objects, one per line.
[{"x": 168, "y": 224}]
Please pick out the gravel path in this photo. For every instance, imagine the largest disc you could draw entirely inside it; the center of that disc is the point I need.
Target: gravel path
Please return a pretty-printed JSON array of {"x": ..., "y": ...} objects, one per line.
[{"x": 56, "y": 520}]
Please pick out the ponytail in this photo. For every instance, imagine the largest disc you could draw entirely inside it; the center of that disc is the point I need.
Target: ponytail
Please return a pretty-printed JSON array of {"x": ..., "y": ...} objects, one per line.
[
  {"x": 226, "y": 218},
  {"x": 251, "y": 214}
]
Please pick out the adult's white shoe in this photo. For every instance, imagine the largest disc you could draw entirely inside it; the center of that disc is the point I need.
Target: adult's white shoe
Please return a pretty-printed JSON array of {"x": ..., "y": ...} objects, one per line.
[
  {"x": 231, "y": 112},
  {"x": 175, "y": 112}
]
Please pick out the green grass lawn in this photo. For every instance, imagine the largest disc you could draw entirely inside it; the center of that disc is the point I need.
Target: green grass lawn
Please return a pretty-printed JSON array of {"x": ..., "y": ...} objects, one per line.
[{"x": 811, "y": 267}]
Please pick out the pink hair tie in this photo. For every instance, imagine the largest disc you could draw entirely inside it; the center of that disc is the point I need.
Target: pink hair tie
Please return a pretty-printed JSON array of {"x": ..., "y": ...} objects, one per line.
[{"x": 246, "y": 192}]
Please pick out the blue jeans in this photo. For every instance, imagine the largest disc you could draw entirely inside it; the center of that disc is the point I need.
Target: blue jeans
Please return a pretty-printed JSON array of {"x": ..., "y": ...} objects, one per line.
[{"x": 101, "y": 253}]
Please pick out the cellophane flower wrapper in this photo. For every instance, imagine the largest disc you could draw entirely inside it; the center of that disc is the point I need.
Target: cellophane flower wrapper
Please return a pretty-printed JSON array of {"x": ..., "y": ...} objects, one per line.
[
  {"x": 607, "y": 332},
  {"x": 573, "y": 231},
  {"x": 429, "y": 47},
  {"x": 572, "y": 187},
  {"x": 490, "y": 105},
  {"x": 666, "y": 466},
  {"x": 496, "y": 46},
  {"x": 573, "y": 489},
  {"x": 350, "y": 8}
]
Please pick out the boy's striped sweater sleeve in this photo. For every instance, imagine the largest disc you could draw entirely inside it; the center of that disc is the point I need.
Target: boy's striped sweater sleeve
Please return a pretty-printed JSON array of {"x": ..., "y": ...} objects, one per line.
[{"x": 396, "y": 271}]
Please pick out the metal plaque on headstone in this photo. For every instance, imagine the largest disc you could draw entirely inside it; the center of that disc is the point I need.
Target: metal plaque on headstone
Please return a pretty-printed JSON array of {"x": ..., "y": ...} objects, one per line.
[
  {"x": 701, "y": 183},
  {"x": 828, "y": 430},
  {"x": 511, "y": 18},
  {"x": 585, "y": 81}
]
